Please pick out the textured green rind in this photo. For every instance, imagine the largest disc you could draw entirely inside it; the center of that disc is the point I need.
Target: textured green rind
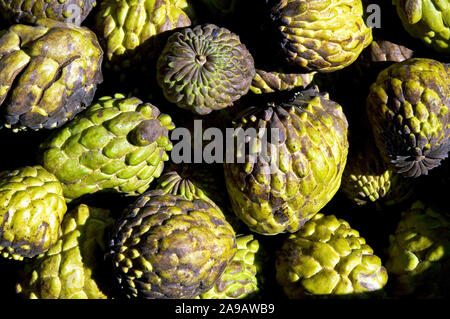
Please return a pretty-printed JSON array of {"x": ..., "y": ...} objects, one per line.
[
  {"x": 69, "y": 270},
  {"x": 188, "y": 7},
  {"x": 32, "y": 207},
  {"x": 269, "y": 82},
  {"x": 199, "y": 181},
  {"x": 419, "y": 251},
  {"x": 239, "y": 280},
  {"x": 366, "y": 179},
  {"x": 312, "y": 154},
  {"x": 173, "y": 183},
  {"x": 118, "y": 144},
  {"x": 192, "y": 188},
  {"x": 165, "y": 246},
  {"x": 322, "y": 36},
  {"x": 427, "y": 20},
  {"x": 46, "y": 79},
  {"x": 408, "y": 108},
  {"x": 128, "y": 28},
  {"x": 29, "y": 11},
  {"x": 327, "y": 257},
  {"x": 204, "y": 69}
]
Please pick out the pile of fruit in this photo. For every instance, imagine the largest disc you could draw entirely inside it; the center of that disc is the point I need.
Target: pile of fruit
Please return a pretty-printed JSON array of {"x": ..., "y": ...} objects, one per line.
[{"x": 353, "y": 97}]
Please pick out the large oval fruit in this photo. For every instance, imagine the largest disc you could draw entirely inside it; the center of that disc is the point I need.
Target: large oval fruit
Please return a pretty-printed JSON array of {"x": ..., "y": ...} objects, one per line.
[
  {"x": 409, "y": 110},
  {"x": 166, "y": 246},
  {"x": 309, "y": 155},
  {"x": 323, "y": 36}
]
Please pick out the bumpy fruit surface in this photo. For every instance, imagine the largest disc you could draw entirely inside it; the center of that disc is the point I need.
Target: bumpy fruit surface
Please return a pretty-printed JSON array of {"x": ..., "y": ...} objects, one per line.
[
  {"x": 239, "y": 278},
  {"x": 46, "y": 79},
  {"x": 409, "y": 110},
  {"x": 29, "y": 11},
  {"x": 419, "y": 252},
  {"x": 386, "y": 51},
  {"x": 328, "y": 257},
  {"x": 197, "y": 181},
  {"x": 427, "y": 20},
  {"x": 128, "y": 28},
  {"x": 321, "y": 35},
  {"x": 187, "y": 6},
  {"x": 308, "y": 157},
  {"x": 175, "y": 184},
  {"x": 166, "y": 246},
  {"x": 70, "y": 268},
  {"x": 32, "y": 207},
  {"x": 269, "y": 82},
  {"x": 366, "y": 179},
  {"x": 117, "y": 144},
  {"x": 205, "y": 68}
]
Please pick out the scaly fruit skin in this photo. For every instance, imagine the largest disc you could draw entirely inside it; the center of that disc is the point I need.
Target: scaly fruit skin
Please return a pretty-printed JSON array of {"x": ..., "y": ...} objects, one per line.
[
  {"x": 311, "y": 154},
  {"x": 239, "y": 279},
  {"x": 366, "y": 179},
  {"x": 173, "y": 183},
  {"x": 166, "y": 246},
  {"x": 188, "y": 7},
  {"x": 269, "y": 82},
  {"x": 29, "y": 11},
  {"x": 321, "y": 36},
  {"x": 327, "y": 257},
  {"x": 68, "y": 270},
  {"x": 427, "y": 20},
  {"x": 68, "y": 73},
  {"x": 197, "y": 181},
  {"x": 128, "y": 28},
  {"x": 408, "y": 108},
  {"x": 32, "y": 207},
  {"x": 204, "y": 69},
  {"x": 386, "y": 51},
  {"x": 117, "y": 144},
  {"x": 419, "y": 252}
]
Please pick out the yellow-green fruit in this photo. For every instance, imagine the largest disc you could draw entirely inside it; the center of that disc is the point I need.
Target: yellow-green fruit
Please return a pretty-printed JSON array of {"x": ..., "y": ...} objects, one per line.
[
  {"x": 188, "y": 7},
  {"x": 28, "y": 11},
  {"x": 327, "y": 257},
  {"x": 239, "y": 280},
  {"x": 366, "y": 179},
  {"x": 32, "y": 207},
  {"x": 165, "y": 246},
  {"x": 306, "y": 139},
  {"x": 419, "y": 252},
  {"x": 119, "y": 144},
  {"x": 408, "y": 109},
  {"x": 129, "y": 28},
  {"x": 205, "y": 68},
  {"x": 71, "y": 268},
  {"x": 49, "y": 73},
  {"x": 269, "y": 82},
  {"x": 428, "y": 20},
  {"x": 323, "y": 36},
  {"x": 173, "y": 183},
  {"x": 197, "y": 181}
]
